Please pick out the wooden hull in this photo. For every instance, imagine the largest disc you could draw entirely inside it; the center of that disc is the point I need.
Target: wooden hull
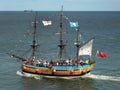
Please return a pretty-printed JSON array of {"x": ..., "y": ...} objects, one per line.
[
  {"x": 57, "y": 71},
  {"x": 38, "y": 76}
]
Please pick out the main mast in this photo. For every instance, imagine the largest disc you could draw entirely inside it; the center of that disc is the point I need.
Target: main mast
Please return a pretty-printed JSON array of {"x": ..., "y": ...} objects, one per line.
[
  {"x": 61, "y": 45},
  {"x": 34, "y": 44}
]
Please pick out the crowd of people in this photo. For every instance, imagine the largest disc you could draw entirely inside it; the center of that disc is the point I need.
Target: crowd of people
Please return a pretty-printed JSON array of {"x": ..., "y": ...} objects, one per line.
[{"x": 46, "y": 63}]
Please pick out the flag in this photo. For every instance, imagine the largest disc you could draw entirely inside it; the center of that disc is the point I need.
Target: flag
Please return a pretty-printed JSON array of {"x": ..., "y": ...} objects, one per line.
[
  {"x": 65, "y": 17},
  {"x": 46, "y": 23},
  {"x": 101, "y": 54},
  {"x": 73, "y": 24}
]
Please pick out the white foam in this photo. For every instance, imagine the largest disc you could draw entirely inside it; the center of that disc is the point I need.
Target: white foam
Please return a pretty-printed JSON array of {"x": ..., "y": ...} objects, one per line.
[
  {"x": 19, "y": 73},
  {"x": 102, "y": 77},
  {"x": 38, "y": 77},
  {"x": 28, "y": 75}
]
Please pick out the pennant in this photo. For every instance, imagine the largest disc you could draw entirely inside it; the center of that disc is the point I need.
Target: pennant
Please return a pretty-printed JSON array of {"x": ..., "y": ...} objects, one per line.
[
  {"x": 46, "y": 23},
  {"x": 101, "y": 54},
  {"x": 73, "y": 24}
]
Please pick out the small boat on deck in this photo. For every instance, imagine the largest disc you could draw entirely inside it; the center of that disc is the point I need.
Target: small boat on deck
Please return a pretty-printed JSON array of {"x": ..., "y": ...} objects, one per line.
[{"x": 70, "y": 68}]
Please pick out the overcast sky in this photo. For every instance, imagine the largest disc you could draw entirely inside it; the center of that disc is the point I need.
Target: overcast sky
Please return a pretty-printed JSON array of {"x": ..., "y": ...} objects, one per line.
[{"x": 55, "y": 5}]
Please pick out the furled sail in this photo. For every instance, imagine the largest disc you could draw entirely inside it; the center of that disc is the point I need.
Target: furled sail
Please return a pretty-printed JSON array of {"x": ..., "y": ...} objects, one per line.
[{"x": 86, "y": 49}]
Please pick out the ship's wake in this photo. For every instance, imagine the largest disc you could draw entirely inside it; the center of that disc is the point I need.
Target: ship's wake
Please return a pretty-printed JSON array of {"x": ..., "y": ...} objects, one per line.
[
  {"x": 102, "y": 77},
  {"x": 28, "y": 75},
  {"x": 89, "y": 75}
]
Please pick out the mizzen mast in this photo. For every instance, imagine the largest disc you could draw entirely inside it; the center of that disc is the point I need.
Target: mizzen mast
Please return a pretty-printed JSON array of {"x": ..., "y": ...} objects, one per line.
[{"x": 78, "y": 44}]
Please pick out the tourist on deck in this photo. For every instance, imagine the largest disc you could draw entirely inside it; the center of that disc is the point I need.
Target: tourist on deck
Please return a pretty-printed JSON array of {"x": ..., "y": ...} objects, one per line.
[
  {"x": 67, "y": 62},
  {"x": 60, "y": 62}
]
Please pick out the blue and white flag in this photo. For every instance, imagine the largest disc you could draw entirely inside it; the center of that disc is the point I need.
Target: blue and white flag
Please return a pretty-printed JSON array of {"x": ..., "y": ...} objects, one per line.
[{"x": 73, "y": 24}]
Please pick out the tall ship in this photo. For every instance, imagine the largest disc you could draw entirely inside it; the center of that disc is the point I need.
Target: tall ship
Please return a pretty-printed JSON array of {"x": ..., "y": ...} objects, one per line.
[{"x": 67, "y": 68}]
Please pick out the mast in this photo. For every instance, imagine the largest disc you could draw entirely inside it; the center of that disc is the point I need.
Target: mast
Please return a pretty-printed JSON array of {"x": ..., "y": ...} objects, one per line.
[
  {"x": 61, "y": 45},
  {"x": 78, "y": 44},
  {"x": 34, "y": 43}
]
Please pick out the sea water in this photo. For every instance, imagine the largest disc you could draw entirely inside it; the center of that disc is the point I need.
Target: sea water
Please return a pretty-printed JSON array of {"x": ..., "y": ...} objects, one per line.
[{"x": 16, "y": 37}]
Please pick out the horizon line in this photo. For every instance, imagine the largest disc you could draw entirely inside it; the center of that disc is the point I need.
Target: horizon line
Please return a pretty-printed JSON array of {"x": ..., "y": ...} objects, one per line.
[{"x": 64, "y": 11}]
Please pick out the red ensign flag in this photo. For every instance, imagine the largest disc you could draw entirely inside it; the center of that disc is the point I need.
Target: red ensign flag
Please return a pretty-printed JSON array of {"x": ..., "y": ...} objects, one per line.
[{"x": 101, "y": 54}]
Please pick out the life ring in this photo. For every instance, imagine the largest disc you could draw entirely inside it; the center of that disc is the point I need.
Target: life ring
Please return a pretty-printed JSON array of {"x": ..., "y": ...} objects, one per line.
[
  {"x": 54, "y": 71},
  {"x": 24, "y": 67},
  {"x": 84, "y": 71},
  {"x": 37, "y": 70},
  {"x": 71, "y": 71}
]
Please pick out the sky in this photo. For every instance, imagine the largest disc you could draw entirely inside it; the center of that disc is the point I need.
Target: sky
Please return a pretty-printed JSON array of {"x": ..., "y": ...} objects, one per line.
[{"x": 55, "y": 5}]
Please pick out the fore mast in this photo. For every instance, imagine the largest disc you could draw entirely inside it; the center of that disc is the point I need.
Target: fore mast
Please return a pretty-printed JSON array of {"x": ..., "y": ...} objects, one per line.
[{"x": 34, "y": 43}]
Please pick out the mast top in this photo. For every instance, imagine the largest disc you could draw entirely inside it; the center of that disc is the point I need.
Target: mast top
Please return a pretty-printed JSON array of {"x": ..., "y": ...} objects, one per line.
[{"x": 62, "y": 8}]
